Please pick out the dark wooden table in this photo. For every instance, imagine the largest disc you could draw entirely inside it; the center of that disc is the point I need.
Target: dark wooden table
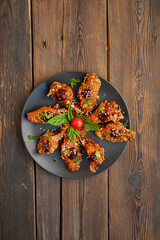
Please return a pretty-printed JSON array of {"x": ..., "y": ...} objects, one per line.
[{"x": 120, "y": 41}]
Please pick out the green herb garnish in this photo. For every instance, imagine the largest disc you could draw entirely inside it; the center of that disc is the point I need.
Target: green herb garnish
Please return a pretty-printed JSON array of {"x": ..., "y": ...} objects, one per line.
[
  {"x": 108, "y": 136},
  {"x": 98, "y": 155},
  {"x": 59, "y": 119},
  {"x": 82, "y": 136},
  {"x": 104, "y": 94},
  {"x": 102, "y": 109},
  {"x": 55, "y": 159},
  {"x": 98, "y": 98},
  {"x": 125, "y": 124},
  {"x": 88, "y": 124},
  {"x": 76, "y": 159},
  {"x": 45, "y": 115},
  {"x": 47, "y": 131},
  {"x": 72, "y": 133},
  {"x": 88, "y": 103},
  {"x": 74, "y": 81},
  {"x": 70, "y": 115},
  {"x": 67, "y": 151},
  {"x": 83, "y": 84},
  {"x": 33, "y": 137},
  {"x": 49, "y": 137}
]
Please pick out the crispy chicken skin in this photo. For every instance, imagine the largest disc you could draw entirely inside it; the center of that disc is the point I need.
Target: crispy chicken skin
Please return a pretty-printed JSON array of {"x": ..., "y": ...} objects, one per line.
[
  {"x": 49, "y": 142},
  {"x": 68, "y": 149},
  {"x": 115, "y": 132},
  {"x": 95, "y": 153},
  {"x": 38, "y": 117},
  {"x": 76, "y": 109},
  {"x": 107, "y": 111},
  {"x": 61, "y": 92},
  {"x": 88, "y": 92}
]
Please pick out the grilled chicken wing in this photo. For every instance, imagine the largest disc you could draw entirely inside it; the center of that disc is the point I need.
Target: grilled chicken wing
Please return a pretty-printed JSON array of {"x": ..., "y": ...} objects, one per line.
[
  {"x": 71, "y": 153},
  {"x": 43, "y": 114},
  {"x": 107, "y": 111},
  {"x": 88, "y": 92},
  {"x": 49, "y": 142},
  {"x": 115, "y": 132},
  {"x": 61, "y": 92},
  {"x": 76, "y": 109},
  {"x": 95, "y": 153}
]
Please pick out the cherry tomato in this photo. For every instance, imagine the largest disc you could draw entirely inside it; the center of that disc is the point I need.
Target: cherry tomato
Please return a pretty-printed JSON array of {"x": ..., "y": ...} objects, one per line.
[{"x": 77, "y": 122}]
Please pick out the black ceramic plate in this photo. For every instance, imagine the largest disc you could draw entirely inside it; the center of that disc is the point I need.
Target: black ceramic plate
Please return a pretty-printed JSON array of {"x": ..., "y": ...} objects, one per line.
[{"x": 38, "y": 98}]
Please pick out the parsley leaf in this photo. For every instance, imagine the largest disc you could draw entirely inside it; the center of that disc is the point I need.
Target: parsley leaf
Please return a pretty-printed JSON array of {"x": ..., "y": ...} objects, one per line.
[
  {"x": 59, "y": 119},
  {"x": 104, "y": 94},
  {"x": 74, "y": 81},
  {"x": 102, "y": 109},
  {"x": 98, "y": 155},
  {"x": 108, "y": 136},
  {"x": 125, "y": 124},
  {"x": 33, "y": 137},
  {"x": 83, "y": 84},
  {"x": 67, "y": 151},
  {"x": 47, "y": 131},
  {"x": 44, "y": 115},
  {"x": 76, "y": 159},
  {"x": 70, "y": 115},
  {"x": 88, "y": 103},
  {"x": 49, "y": 137},
  {"x": 55, "y": 159}
]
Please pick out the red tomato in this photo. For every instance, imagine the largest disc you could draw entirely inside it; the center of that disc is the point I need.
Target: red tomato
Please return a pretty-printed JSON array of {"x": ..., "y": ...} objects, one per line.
[{"x": 77, "y": 122}]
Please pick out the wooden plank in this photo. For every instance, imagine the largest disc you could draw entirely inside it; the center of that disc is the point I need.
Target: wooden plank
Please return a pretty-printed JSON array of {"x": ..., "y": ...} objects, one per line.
[
  {"x": 134, "y": 182},
  {"x": 85, "y": 202},
  {"x": 47, "y": 49},
  {"x": 17, "y": 203}
]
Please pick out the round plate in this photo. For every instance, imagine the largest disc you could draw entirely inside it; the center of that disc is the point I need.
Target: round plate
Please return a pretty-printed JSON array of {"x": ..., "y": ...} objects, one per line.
[{"x": 38, "y": 98}]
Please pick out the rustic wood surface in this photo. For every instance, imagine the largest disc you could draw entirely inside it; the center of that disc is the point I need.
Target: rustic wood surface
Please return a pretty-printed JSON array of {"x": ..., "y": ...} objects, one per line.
[{"x": 119, "y": 40}]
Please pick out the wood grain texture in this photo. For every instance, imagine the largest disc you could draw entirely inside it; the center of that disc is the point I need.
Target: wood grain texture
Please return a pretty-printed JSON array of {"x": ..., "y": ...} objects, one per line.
[
  {"x": 134, "y": 181},
  {"x": 85, "y": 202},
  {"x": 17, "y": 203},
  {"x": 47, "y": 17}
]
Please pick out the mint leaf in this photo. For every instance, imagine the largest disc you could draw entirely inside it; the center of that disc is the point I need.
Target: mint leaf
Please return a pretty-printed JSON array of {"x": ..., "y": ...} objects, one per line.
[
  {"x": 72, "y": 133},
  {"x": 87, "y": 123},
  {"x": 33, "y": 137},
  {"x": 91, "y": 126},
  {"x": 59, "y": 119},
  {"x": 85, "y": 119},
  {"x": 74, "y": 81},
  {"x": 55, "y": 159},
  {"x": 70, "y": 115}
]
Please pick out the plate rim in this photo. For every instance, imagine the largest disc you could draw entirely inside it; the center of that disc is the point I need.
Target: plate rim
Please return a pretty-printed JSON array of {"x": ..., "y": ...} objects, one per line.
[{"x": 65, "y": 177}]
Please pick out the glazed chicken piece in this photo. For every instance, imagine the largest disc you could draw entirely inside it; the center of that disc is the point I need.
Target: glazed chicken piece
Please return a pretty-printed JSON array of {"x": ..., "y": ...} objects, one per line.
[
  {"x": 61, "y": 92},
  {"x": 71, "y": 153},
  {"x": 88, "y": 92},
  {"x": 95, "y": 153},
  {"x": 49, "y": 142},
  {"x": 107, "y": 111},
  {"x": 43, "y": 114},
  {"x": 76, "y": 109},
  {"x": 115, "y": 132}
]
